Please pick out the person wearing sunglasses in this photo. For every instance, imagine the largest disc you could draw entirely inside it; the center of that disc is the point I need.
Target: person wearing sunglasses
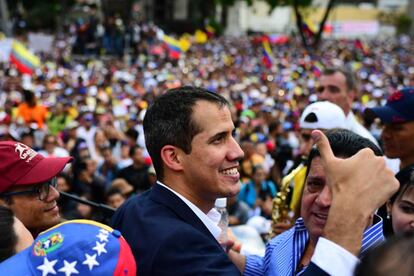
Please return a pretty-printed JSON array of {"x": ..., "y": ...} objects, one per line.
[{"x": 28, "y": 185}]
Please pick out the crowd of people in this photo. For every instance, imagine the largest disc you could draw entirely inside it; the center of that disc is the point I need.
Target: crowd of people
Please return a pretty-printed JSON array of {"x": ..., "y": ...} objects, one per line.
[{"x": 106, "y": 131}]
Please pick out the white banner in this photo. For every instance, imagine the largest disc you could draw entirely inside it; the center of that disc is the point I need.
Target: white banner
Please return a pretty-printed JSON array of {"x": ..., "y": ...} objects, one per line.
[
  {"x": 5, "y": 49},
  {"x": 355, "y": 28},
  {"x": 40, "y": 42}
]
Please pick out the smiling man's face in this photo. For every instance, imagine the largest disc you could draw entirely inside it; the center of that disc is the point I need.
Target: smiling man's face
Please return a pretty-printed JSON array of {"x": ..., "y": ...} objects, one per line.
[
  {"x": 316, "y": 199},
  {"x": 37, "y": 215},
  {"x": 211, "y": 169}
]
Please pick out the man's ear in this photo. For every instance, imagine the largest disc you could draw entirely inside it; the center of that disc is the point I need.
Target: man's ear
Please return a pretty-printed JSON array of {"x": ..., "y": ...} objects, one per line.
[
  {"x": 352, "y": 95},
  {"x": 170, "y": 155}
]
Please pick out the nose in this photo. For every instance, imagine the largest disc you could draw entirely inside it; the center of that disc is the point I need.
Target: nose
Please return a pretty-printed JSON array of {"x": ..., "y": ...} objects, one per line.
[
  {"x": 305, "y": 147},
  {"x": 235, "y": 152},
  {"x": 386, "y": 133},
  {"x": 324, "y": 198},
  {"x": 53, "y": 194}
]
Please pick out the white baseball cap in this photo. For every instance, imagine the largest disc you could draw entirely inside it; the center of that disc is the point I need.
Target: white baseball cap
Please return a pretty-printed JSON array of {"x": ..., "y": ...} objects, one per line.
[{"x": 326, "y": 115}]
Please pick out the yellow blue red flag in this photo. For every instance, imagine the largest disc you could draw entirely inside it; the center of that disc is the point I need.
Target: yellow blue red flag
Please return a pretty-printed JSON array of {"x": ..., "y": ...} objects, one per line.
[
  {"x": 267, "y": 53},
  {"x": 24, "y": 60},
  {"x": 174, "y": 46}
]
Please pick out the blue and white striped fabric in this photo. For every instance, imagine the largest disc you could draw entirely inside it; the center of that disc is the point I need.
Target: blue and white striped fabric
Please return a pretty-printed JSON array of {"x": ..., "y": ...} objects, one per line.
[{"x": 284, "y": 252}]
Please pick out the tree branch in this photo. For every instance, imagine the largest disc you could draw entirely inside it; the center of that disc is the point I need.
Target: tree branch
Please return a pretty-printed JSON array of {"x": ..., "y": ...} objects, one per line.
[
  {"x": 322, "y": 24},
  {"x": 299, "y": 23}
]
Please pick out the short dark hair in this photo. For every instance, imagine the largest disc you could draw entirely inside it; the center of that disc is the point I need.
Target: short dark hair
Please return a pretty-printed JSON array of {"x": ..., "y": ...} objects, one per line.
[
  {"x": 169, "y": 121},
  {"x": 344, "y": 143},
  {"x": 394, "y": 257},
  {"x": 113, "y": 191},
  {"x": 350, "y": 80},
  {"x": 133, "y": 149},
  {"x": 274, "y": 125},
  {"x": 132, "y": 133},
  {"x": 48, "y": 137},
  {"x": 406, "y": 179},
  {"x": 8, "y": 237}
]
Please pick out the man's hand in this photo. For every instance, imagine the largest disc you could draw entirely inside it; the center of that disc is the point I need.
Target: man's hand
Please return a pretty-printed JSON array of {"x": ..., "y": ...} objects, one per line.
[
  {"x": 232, "y": 242},
  {"x": 233, "y": 247},
  {"x": 359, "y": 184}
]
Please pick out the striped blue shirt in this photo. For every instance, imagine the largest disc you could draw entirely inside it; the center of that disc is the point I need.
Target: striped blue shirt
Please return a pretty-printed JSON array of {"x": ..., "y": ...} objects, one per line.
[{"x": 284, "y": 252}]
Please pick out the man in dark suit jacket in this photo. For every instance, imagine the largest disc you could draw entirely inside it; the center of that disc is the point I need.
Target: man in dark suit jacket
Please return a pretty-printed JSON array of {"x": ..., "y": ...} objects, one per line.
[
  {"x": 168, "y": 237},
  {"x": 188, "y": 133}
]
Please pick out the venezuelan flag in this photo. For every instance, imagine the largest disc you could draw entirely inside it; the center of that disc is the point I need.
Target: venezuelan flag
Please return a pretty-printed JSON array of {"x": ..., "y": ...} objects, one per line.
[
  {"x": 174, "y": 46},
  {"x": 308, "y": 28},
  {"x": 25, "y": 61},
  {"x": 359, "y": 44},
  {"x": 317, "y": 68},
  {"x": 267, "y": 53}
]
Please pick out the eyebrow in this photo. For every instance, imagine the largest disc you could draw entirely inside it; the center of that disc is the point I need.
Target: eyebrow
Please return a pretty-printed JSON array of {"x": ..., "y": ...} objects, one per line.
[
  {"x": 218, "y": 135},
  {"x": 333, "y": 87},
  {"x": 407, "y": 202}
]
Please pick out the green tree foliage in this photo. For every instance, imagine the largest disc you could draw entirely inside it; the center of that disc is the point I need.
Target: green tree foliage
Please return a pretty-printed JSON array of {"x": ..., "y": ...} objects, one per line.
[
  {"x": 40, "y": 14},
  {"x": 401, "y": 21}
]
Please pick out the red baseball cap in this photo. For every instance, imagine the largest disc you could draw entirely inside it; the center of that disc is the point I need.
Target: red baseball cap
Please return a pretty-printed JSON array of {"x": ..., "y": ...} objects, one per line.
[{"x": 21, "y": 165}]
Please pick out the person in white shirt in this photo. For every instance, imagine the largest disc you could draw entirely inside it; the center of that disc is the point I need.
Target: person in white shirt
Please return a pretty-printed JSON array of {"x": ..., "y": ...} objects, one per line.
[
  {"x": 87, "y": 131},
  {"x": 51, "y": 147},
  {"x": 339, "y": 87}
]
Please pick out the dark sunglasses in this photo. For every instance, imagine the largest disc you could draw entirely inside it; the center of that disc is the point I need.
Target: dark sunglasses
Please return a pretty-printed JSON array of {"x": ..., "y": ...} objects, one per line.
[
  {"x": 42, "y": 190},
  {"x": 305, "y": 136}
]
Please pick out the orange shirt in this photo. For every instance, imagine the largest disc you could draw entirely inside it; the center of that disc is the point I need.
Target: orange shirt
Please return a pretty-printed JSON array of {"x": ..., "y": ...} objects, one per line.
[{"x": 35, "y": 114}]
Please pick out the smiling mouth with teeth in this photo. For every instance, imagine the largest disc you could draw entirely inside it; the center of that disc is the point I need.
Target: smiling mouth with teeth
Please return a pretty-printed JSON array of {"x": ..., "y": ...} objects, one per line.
[
  {"x": 321, "y": 216},
  {"x": 232, "y": 171}
]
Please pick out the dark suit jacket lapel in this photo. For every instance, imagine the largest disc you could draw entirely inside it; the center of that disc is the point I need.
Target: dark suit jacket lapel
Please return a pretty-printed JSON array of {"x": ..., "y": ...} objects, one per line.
[{"x": 164, "y": 196}]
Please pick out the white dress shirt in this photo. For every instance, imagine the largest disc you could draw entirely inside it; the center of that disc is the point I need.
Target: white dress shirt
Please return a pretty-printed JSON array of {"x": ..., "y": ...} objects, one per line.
[
  {"x": 354, "y": 126},
  {"x": 208, "y": 222},
  {"x": 341, "y": 262}
]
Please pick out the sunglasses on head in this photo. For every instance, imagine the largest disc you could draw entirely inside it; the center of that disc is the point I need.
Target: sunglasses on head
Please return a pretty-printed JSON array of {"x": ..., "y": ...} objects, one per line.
[{"x": 41, "y": 190}]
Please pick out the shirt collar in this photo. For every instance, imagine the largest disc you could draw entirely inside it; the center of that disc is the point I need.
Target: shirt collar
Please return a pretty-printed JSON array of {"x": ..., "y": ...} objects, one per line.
[
  {"x": 207, "y": 219},
  {"x": 372, "y": 236},
  {"x": 300, "y": 225}
]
